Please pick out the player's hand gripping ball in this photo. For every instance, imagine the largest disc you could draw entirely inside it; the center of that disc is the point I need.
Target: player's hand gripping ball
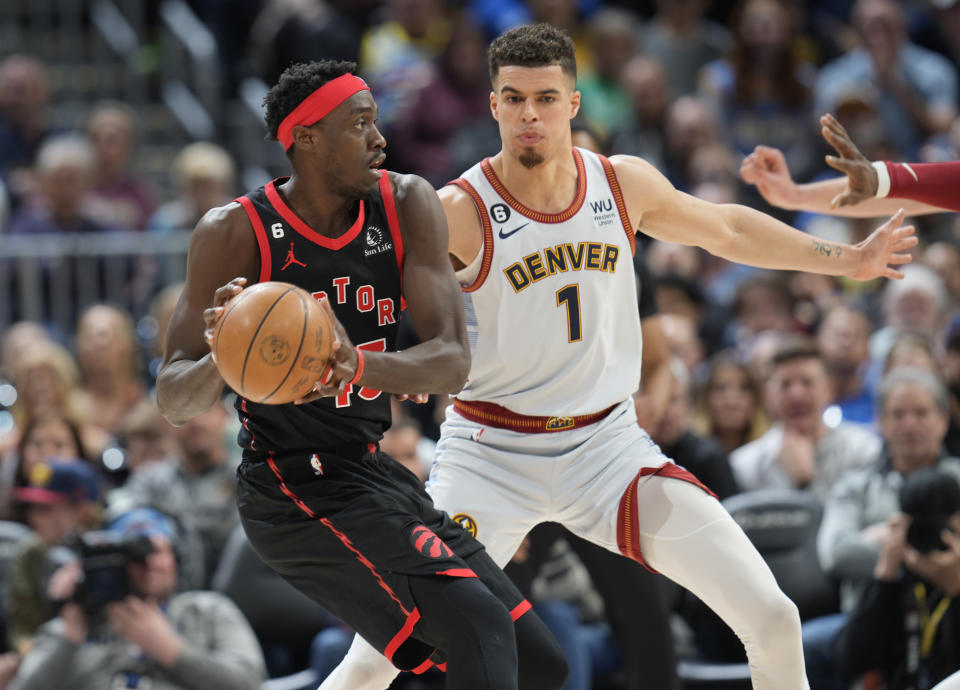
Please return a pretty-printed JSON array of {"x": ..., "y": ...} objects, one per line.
[{"x": 273, "y": 343}]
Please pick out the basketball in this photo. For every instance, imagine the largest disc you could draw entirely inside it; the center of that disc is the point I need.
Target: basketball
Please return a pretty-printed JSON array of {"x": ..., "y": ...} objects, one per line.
[{"x": 273, "y": 343}]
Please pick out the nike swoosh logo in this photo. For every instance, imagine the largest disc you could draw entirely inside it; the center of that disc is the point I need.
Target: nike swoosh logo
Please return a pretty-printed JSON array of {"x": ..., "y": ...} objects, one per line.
[{"x": 505, "y": 235}]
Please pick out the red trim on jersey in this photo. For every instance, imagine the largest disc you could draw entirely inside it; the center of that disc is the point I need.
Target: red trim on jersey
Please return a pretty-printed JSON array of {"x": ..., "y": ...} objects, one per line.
[
  {"x": 487, "y": 260},
  {"x": 422, "y": 668},
  {"x": 390, "y": 206},
  {"x": 457, "y": 572},
  {"x": 261, "y": 233},
  {"x": 500, "y": 417},
  {"x": 621, "y": 204},
  {"x": 305, "y": 230},
  {"x": 520, "y": 609},
  {"x": 931, "y": 183},
  {"x": 628, "y": 528},
  {"x": 565, "y": 215},
  {"x": 402, "y": 635}
]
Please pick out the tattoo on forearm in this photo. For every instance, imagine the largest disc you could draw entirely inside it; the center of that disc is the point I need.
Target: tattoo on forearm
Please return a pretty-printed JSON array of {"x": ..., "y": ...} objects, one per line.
[{"x": 827, "y": 249}]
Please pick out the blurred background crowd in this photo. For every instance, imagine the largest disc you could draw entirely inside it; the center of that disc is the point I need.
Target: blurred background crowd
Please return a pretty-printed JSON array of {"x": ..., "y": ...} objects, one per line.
[{"x": 810, "y": 397}]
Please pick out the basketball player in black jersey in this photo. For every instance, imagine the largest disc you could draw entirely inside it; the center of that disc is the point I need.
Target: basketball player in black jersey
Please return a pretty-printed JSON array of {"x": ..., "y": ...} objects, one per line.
[{"x": 320, "y": 503}]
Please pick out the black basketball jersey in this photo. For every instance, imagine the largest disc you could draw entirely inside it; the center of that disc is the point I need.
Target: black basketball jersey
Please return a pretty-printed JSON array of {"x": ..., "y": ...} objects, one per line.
[{"x": 359, "y": 273}]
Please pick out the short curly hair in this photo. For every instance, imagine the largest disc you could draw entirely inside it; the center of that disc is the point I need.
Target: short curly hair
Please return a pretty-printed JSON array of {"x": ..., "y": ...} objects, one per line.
[
  {"x": 296, "y": 83},
  {"x": 532, "y": 45}
]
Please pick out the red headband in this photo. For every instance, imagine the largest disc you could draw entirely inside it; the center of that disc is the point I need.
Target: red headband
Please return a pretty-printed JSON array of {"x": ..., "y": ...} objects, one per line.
[{"x": 318, "y": 105}]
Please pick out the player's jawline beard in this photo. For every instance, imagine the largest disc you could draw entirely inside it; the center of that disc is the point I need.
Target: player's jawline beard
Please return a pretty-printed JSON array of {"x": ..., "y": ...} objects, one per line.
[{"x": 530, "y": 159}]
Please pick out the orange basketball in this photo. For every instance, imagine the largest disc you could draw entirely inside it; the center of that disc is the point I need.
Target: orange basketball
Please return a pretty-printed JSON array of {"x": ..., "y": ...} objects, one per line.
[{"x": 273, "y": 342}]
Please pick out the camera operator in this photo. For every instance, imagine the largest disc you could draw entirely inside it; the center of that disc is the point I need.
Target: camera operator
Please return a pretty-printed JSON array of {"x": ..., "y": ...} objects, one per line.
[
  {"x": 906, "y": 625},
  {"x": 155, "y": 638}
]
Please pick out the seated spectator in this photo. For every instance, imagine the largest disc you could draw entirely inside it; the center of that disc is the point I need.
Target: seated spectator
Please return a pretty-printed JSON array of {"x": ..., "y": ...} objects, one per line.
[
  {"x": 910, "y": 350},
  {"x": 198, "y": 485},
  {"x": 120, "y": 198},
  {"x": 47, "y": 380},
  {"x": 917, "y": 88},
  {"x": 452, "y": 109},
  {"x": 729, "y": 403},
  {"x": 763, "y": 302},
  {"x": 703, "y": 456},
  {"x": 800, "y": 450},
  {"x": 843, "y": 340},
  {"x": 24, "y": 123},
  {"x": 904, "y": 626},
  {"x": 65, "y": 169},
  {"x": 397, "y": 55},
  {"x": 109, "y": 359},
  {"x": 915, "y": 304},
  {"x": 645, "y": 83},
  {"x": 683, "y": 41},
  {"x": 19, "y": 339},
  {"x": 155, "y": 325},
  {"x": 688, "y": 125},
  {"x": 944, "y": 258},
  {"x": 604, "y": 102},
  {"x": 59, "y": 501},
  {"x": 913, "y": 422},
  {"x": 760, "y": 94},
  {"x": 286, "y": 32},
  {"x": 682, "y": 339},
  {"x": 49, "y": 435},
  {"x": 192, "y": 640},
  {"x": 203, "y": 176}
]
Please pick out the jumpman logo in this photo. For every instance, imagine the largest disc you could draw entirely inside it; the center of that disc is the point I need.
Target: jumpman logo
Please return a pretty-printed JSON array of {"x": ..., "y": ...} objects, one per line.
[{"x": 291, "y": 259}]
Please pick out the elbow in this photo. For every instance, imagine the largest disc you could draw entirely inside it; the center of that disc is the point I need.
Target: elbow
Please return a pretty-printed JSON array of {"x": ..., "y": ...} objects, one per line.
[
  {"x": 459, "y": 369},
  {"x": 168, "y": 408}
]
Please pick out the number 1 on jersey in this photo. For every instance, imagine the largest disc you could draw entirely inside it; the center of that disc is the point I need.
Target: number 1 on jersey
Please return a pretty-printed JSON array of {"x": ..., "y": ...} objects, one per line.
[{"x": 569, "y": 296}]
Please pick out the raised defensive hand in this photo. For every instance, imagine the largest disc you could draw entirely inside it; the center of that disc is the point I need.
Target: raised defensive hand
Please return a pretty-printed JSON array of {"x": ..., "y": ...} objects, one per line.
[
  {"x": 766, "y": 168},
  {"x": 885, "y": 246},
  {"x": 861, "y": 175}
]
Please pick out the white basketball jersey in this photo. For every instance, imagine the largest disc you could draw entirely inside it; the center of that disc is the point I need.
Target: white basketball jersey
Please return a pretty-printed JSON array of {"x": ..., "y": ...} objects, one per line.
[{"x": 552, "y": 312}]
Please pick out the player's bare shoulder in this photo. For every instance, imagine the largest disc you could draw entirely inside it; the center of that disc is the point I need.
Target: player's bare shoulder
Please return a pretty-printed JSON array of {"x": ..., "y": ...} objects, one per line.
[
  {"x": 644, "y": 187},
  {"x": 466, "y": 231},
  {"x": 224, "y": 237}
]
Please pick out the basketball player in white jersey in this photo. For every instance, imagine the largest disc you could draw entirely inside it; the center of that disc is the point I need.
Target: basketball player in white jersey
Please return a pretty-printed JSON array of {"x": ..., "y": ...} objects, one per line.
[{"x": 542, "y": 235}]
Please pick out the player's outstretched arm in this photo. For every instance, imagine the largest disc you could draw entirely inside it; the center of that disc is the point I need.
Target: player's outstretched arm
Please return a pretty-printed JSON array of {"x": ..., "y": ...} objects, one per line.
[
  {"x": 222, "y": 257},
  {"x": 440, "y": 363},
  {"x": 853, "y": 195},
  {"x": 741, "y": 234}
]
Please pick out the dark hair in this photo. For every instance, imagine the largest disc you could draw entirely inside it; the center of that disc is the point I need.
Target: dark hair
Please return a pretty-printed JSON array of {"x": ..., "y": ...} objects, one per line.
[
  {"x": 789, "y": 90},
  {"x": 296, "y": 83},
  {"x": 532, "y": 45},
  {"x": 20, "y": 479},
  {"x": 775, "y": 283},
  {"x": 930, "y": 497},
  {"x": 794, "y": 347}
]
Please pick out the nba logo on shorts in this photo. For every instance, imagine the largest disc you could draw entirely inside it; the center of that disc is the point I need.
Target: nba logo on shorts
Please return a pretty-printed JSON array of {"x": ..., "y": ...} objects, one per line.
[{"x": 316, "y": 464}]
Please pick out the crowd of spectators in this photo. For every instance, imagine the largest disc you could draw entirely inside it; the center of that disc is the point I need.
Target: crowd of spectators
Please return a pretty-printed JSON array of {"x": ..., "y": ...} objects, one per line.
[{"x": 781, "y": 381}]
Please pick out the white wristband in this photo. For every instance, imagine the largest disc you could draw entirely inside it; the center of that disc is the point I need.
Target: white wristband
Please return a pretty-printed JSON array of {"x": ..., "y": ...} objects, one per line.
[{"x": 883, "y": 179}]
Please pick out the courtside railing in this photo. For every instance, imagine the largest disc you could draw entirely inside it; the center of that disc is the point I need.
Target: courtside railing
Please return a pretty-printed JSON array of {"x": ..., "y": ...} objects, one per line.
[{"x": 50, "y": 278}]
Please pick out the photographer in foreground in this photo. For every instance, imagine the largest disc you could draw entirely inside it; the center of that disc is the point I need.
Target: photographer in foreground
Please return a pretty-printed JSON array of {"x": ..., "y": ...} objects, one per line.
[
  {"x": 153, "y": 638},
  {"x": 906, "y": 626}
]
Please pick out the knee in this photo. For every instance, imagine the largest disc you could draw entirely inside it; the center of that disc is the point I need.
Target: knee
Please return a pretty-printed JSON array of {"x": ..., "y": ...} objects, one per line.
[
  {"x": 542, "y": 663},
  {"x": 778, "y": 617}
]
